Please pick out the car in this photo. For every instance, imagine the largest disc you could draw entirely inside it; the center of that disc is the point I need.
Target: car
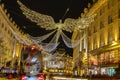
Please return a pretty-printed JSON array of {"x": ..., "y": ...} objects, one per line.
[
  {"x": 32, "y": 77},
  {"x": 32, "y": 69}
]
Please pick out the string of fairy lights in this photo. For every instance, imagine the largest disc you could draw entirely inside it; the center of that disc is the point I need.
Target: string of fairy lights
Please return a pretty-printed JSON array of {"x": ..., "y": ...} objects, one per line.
[{"x": 47, "y": 22}]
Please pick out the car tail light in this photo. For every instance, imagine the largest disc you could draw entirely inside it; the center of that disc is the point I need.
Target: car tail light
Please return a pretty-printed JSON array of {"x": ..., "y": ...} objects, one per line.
[
  {"x": 40, "y": 77},
  {"x": 22, "y": 77},
  {"x": 10, "y": 76}
]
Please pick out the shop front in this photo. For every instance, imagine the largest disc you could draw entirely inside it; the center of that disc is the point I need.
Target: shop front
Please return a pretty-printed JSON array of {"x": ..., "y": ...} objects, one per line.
[
  {"x": 104, "y": 63},
  {"x": 110, "y": 71},
  {"x": 108, "y": 62}
]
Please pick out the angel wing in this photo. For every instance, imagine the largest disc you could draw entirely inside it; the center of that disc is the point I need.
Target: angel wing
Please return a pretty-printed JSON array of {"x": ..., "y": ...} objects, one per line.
[
  {"x": 47, "y": 22},
  {"x": 42, "y": 20},
  {"x": 69, "y": 24}
]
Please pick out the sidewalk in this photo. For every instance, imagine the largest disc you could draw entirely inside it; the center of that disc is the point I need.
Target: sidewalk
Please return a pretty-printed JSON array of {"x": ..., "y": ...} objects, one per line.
[{"x": 8, "y": 79}]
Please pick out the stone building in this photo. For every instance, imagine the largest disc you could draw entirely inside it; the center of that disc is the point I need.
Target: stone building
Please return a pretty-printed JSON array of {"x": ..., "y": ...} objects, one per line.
[
  {"x": 103, "y": 36},
  {"x": 11, "y": 38}
]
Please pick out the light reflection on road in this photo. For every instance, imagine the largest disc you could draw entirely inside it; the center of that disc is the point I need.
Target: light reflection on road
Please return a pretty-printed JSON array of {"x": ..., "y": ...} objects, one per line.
[{"x": 65, "y": 78}]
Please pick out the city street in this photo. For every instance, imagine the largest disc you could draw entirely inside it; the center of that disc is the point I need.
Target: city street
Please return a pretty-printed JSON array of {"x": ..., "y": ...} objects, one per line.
[
  {"x": 63, "y": 78},
  {"x": 59, "y": 40}
]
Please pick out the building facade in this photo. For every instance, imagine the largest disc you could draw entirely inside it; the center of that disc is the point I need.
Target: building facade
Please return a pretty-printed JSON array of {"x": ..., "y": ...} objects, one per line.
[
  {"x": 103, "y": 37},
  {"x": 10, "y": 45},
  {"x": 80, "y": 53}
]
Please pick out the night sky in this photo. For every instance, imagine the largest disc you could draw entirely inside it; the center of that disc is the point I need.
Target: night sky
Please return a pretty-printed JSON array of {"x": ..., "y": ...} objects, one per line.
[{"x": 55, "y": 8}]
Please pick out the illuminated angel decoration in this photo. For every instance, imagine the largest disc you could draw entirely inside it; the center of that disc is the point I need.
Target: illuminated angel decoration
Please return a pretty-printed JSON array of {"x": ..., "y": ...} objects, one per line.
[{"x": 48, "y": 23}]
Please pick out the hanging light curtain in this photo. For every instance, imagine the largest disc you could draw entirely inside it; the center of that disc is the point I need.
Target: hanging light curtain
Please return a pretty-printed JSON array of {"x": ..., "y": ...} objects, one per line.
[
  {"x": 55, "y": 58},
  {"x": 68, "y": 41},
  {"x": 49, "y": 47},
  {"x": 40, "y": 38}
]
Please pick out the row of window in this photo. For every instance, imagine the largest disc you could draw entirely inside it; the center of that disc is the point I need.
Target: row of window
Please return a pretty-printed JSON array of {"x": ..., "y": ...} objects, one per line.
[
  {"x": 5, "y": 28},
  {"x": 110, "y": 38},
  {"x": 110, "y": 4},
  {"x": 109, "y": 19},
  {"x": 102, "y": 25}
]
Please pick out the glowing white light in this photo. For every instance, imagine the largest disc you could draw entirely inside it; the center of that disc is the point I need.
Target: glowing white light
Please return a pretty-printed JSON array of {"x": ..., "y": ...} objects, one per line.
[{"x": 34, "y": 59}]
